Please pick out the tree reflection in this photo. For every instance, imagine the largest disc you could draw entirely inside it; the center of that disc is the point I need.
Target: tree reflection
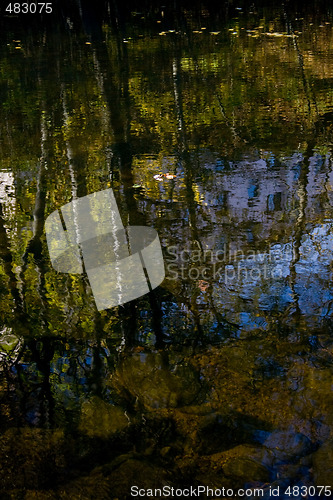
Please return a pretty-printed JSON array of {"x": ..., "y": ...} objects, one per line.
[{"x": 204, "y": 131}]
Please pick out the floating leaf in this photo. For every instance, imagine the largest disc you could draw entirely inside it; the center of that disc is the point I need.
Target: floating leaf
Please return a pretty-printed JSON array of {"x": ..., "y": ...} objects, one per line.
[
  {"x": 203, "y": 285},
  {"x": 160, "y": 177}
]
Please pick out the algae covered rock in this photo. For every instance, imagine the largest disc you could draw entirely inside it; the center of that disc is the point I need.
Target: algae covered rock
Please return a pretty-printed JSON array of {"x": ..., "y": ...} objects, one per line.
[
  {"x": 235, "y": 467},
  {"x": 116, "y": 479},
  {"x": 245, "y": 462},
  {"x": 31, "y": 458},
  {"x": 136, "y": 472},
  {"x": 323, "y": 464},
  {"x": 288, "y": 444},
  {"x": 154, "y": 382},
  {"x": 101, "y": 419}
]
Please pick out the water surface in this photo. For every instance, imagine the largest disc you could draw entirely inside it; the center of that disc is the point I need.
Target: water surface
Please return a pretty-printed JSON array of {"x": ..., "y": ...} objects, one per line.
[{"x": 215, "y": 128}]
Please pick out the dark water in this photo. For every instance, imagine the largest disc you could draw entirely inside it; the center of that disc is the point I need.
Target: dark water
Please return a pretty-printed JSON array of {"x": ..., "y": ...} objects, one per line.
[{"x": 215, "y": 127}]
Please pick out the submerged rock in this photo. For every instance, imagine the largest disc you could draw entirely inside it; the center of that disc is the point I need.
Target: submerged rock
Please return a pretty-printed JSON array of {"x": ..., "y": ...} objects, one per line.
[
  {"x": 101, "y": 419},
  {"x": 153, "y": 382},
  {"x": 237, "y": 466},
  {"x": 323, "y": 464},
  {"x": 31, "y": 458},
  {"x": 116, "y": 479},
  {"x": 246, "y": 463},
  {"x": 288, "y": 445}
]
